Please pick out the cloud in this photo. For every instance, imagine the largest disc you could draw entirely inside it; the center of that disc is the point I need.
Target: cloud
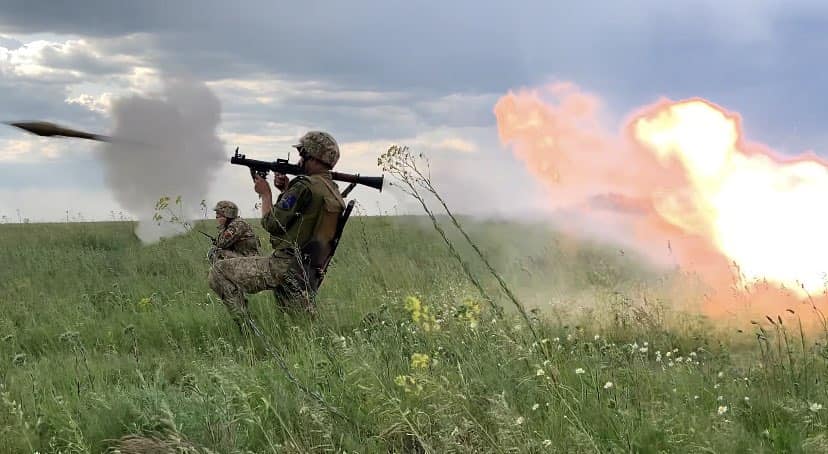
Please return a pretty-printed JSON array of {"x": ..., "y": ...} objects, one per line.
[
  {"x": 64, "y": 169},
  {"x": 60, "y": 62},
  {"x": 100, "y": 104},
  {"x": 37, "y": 150},
  {"x": 45, "y": 204},
  {"x": 426, "y": 75},
  {"x": 9, "y": 43},
  {"x": 452, "y": 47},
  {"x": 442, "y": 140}
]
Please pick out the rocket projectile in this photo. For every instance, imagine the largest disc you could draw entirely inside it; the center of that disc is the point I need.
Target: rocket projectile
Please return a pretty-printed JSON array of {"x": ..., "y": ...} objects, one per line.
[{"x": 43, "y": 128}]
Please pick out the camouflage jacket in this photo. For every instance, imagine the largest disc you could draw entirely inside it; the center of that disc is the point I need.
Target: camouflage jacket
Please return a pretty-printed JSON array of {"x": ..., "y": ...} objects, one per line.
[
  {"x": 238, "y": 236},
  {"x": 305, "y": 214}
]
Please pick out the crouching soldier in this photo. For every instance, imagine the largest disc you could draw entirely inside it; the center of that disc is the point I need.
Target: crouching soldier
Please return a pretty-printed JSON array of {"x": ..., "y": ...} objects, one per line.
[{"x": 235, "y": 237}]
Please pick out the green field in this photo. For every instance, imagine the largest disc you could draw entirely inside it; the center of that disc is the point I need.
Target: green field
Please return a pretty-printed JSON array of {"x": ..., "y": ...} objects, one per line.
[{"x": 103, "y": 338}]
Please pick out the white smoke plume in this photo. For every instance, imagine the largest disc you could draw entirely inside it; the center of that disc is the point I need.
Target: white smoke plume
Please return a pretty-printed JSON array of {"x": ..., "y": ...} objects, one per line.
[{"x": 165, "y": 145}]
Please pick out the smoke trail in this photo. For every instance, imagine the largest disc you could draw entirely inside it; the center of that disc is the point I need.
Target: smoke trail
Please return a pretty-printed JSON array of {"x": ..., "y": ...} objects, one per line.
[{"x": 166, "y": 146}]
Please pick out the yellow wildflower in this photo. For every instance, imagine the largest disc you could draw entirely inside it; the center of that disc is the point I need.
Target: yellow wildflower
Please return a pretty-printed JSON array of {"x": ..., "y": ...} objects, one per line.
[
  {"x": 145, "y": 302},
  {"x": 470, "y": 311},
  {"x": 419, "y": 361},
  {"x": 408, "y": 383},
  {"x": 413, "y": 304},
  {"x": 420, "y": 314}
]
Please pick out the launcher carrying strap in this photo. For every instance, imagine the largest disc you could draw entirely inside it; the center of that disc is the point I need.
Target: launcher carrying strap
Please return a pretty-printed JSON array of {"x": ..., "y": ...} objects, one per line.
[{"x": 340, "y": 226}]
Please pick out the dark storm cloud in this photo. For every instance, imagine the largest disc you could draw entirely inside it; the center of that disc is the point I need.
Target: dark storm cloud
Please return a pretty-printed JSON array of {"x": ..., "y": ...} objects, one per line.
[
  {"x": 759, "y": 58},
  {"x": 437, "y": 47}
]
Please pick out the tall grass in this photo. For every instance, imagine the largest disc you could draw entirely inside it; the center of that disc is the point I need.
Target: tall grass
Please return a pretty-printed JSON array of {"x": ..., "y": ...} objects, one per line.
[{"x": 107, "y": 343}]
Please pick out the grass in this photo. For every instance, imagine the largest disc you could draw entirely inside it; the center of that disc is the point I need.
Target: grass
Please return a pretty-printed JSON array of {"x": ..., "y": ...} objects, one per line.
[{"x": 104, "y": 338}]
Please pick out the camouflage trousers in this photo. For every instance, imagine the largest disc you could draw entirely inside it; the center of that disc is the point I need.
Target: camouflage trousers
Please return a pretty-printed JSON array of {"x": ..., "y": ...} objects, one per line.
[
  {"x": 233, "y": 278},
  {"x": 216, "y": 254}
]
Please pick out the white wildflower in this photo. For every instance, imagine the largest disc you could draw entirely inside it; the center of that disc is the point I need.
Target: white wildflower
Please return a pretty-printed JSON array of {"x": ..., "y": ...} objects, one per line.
[
  {"x": 519, "y": 421},
  {"x": 597, "y": 337},
  {"x": 722, "y": 409},
  {"x": 608, "y": 385},
  {"x": 815, "y": 407},
  {"x": 643, "y": 349},
  {"x": 579, "y": 371},
  {"x": 720, "y": 398},
  {"x": 720, "y": 374},
  {"x": 535, "y": 407},
  {"x": 539, "y": 372},
  {"x": 547, "y": 443}
]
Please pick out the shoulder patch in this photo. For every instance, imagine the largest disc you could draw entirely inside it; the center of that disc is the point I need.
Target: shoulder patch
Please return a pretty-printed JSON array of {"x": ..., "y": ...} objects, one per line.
[{"x": 288, "y": 201}]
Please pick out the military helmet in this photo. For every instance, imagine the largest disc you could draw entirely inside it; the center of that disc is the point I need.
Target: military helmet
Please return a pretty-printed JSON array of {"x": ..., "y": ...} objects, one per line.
[
  {"x": 227, "y": 209},
  {"x": 320, "y": 145}
]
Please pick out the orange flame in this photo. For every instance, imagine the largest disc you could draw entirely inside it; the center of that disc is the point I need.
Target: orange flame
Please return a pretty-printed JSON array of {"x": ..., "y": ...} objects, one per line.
[{"x": 681, "y": 175}]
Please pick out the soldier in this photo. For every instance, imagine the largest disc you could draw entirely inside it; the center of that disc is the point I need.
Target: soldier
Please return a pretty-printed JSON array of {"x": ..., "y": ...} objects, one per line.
[
  {"x": 235, "y": 237},
  {"x": 301, "y": 224}
]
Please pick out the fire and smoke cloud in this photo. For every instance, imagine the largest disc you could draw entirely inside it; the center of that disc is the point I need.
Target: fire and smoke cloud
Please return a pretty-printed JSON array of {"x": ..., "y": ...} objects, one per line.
[
  {"x": 680, "y": 183},
  {"x": 165, "y": 145}
]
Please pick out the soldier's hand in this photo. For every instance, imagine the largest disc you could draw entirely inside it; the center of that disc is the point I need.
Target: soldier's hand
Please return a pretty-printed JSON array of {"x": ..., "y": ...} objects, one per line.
[
  {"x": 260, "y": 185},
  {"x": 280, "y": 181}
]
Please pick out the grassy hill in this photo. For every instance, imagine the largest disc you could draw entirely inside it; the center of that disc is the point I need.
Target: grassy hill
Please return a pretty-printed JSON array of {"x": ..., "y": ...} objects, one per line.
[{"x": 105, "y": 342}]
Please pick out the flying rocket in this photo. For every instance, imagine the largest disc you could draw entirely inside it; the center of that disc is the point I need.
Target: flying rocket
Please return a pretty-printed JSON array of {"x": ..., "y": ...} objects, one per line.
[{"x": 43, "y": 128}]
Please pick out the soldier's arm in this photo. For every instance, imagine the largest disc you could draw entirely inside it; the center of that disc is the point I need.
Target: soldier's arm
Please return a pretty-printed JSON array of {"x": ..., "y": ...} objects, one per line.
[{"x": 287, "y": 207}]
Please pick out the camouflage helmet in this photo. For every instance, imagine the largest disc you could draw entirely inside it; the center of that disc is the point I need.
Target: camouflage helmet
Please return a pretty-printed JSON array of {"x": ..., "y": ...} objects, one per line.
[
  {"x": 227, "y": 209},
  {"x": 320, "y": 145}
]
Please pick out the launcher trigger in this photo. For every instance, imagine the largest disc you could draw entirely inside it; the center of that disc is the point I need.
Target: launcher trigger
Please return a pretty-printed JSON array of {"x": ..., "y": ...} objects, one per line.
[{"x": 261, "y": 173}]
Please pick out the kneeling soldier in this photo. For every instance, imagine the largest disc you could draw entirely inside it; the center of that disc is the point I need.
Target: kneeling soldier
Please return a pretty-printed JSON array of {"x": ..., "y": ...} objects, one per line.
[{"x": 235, "y": 237}]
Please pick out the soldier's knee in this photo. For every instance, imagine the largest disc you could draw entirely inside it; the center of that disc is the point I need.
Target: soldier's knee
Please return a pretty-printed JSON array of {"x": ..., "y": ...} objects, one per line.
[{"x": 216, "y": 278}]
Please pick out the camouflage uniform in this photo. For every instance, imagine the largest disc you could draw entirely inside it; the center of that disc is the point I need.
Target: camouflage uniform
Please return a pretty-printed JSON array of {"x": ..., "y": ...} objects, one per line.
[
  {"x": 301, "y": 223},
  {"x": 235, "y": 238}
]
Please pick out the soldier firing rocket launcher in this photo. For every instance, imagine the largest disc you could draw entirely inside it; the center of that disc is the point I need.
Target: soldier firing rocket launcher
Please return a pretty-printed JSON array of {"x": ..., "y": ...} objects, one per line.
[{"x": 282, "y": 166}]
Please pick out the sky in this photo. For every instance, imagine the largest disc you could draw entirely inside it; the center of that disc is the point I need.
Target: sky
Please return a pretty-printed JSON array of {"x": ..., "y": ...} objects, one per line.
[{"x": 376, "y": 73}]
